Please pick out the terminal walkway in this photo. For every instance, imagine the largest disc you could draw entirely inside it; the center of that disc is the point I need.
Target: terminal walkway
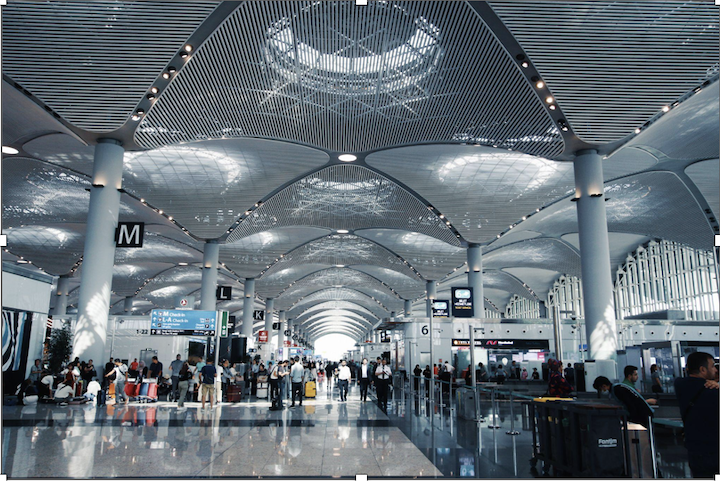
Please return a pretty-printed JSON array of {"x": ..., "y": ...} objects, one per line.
[{"x": 324, "y": 437}]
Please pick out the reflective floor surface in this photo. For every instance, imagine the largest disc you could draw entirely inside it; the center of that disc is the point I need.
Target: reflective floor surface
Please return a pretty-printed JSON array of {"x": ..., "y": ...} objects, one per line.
[{"x": 323, "y": 437}]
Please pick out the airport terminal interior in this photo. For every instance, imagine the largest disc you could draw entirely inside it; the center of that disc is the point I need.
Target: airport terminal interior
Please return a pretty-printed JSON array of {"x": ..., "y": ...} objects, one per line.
[{"x": 509, "y": 208}]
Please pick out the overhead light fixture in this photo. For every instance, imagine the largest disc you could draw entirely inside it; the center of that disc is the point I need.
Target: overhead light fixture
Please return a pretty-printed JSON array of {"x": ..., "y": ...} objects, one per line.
[
  {"x": 525, "y": 65},
  {"x": 342, "y": 231},
  {"x": 9, "y": 150},
  {"x": 188, "y": 47},
  {"x": 552, "y": 107},
  {"x": 172, "y": 70},
  {"x": 160, "y": 211},
  {"x": 150, "y": 96},
  {"x": 154, "y": 90},
  {"x": 549, "y": 99},
  {"x": 666, "y": 108},
  {"x": 540, "y": 84},
  {"x": 347, "y": 158},
  {"x": 637, "y": 131},
  {"x": 182, "y": 263},
  {"x": 166, "y": 75},
  {"x": 183, "y": 55}
]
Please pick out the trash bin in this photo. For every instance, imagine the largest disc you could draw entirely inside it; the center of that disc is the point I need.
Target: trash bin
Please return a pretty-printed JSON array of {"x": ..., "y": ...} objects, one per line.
[{"x": 466, "y": 403}]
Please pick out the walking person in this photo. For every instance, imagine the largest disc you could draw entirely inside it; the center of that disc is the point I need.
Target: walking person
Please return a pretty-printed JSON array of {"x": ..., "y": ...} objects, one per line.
[
  {"x": 657, "y": 386},
  {"x": 364, "y": 379},
  {"x": 119, "y": 371},
  {"x": 297, "y": 374},
  {"x": 417, "y": 372},
  {"x": 382, "y": 376},
  {"x": 184, "y": 377},
  {"x": 343, "y": 380}
]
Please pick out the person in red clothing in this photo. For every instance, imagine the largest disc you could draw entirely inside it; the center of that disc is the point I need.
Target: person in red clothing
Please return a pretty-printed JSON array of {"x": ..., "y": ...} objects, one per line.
[{"x": 558, "y": 385}]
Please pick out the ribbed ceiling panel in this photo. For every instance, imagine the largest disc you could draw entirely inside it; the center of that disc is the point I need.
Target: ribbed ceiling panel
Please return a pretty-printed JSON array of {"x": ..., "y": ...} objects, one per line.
[
  {"x": 92, "y": 62},
  {"x": 408, "y": 287},
  {"x": 335, "y": 305},
  {"x": 309, "y": 318},
  {"x": 494, "y": 279},
  {"x": 127, "y": 278},
  {"x": 385, "y": 74},
  {"x": 706, "y": 176},
  {"x": 613, "y": 65},
  {"x": 339, "y": 294},
  {"x": 541, "y": 253},
  {"x": 432, "y": 258},
  {"x": 480, "y": 190},
  {"x": 345, "y": 197},
  {"x": 54, "y": 248},
  {"x": 206, "y": 186}
]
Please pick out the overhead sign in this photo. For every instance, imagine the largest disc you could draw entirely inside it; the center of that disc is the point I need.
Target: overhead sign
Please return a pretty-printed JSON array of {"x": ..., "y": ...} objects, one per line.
[
  {"x": 178, "y": 322},
  {"x": 425, "y": 329},
  {"x": 462, "y": 302},
  {"x": 504, "y": 343},
  {"x": 258, "y": 315},
  {"x": 286, "y": 332},
  {"x": 441, "y": 308},
  {"x": 263, "y": 336},
  {"x": 129, "y": 234},
  {"x": 224, "y": 322},
  {"x": 384, "y": 336},
  {"x": 286, "y": 343},
  {"x": 223, "y": 293},
  {"x": 276, "y": 326}
]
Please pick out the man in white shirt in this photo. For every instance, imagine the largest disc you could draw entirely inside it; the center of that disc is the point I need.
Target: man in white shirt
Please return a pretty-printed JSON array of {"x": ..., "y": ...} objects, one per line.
[
  {"x": 382, "y": 379},
  {"x": 343, "y": 380},
  {"x": 364, "y": 375},
  {"x": 297, "y": 375}
]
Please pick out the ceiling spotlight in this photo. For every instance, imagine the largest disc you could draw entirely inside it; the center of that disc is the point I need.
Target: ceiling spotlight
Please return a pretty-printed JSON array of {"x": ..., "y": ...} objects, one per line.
[
  {"x": 160, "y": 211},
  {"x": 525, "y": 65},
  {"x": 154, "y": 90},
  {"x": 666, "y": 108},
  {"x": 537, "y": 210},
  {"x": 165, "y": 75},
  {"x": 151, "y": 96},
  {"x": 552, "y": 107},
  {"x": 347, "y": 158},
  {"x": 183, "y": 55},
  {"x": 524, "y": 218},
  {"x": 540, "y": 84},
  {"x": 188, "y": 47},
  {"x": 172, "y": 70},
  {"x": 9, "y": 150},
  {"x": 549, "y": 99},
  {"x": 342, "y": 231},
  {"x": 182, "y": 263},
  {"x": 170, "y": 217},
  {"x": 637, "y": 131}
]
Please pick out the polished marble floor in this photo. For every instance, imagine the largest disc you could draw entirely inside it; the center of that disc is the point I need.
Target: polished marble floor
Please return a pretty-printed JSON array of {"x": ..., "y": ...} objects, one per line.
[{"x": 323, "y": 438}]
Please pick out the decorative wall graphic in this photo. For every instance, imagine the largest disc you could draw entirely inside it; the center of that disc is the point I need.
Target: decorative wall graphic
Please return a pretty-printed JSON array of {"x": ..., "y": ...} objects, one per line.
[{"x": 15, "y": 339}]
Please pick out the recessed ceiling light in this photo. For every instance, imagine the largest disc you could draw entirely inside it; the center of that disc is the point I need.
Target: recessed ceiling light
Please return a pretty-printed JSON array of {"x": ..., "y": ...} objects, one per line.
[
  {"x": 549, "y": 99},
  {"x": 540, "y": 84},
  {"x": 188, "y": 48},
  {"x": 154, "y": 90},
  {"x": 339, "y": 265},
  {"x": 166, "y": 75},
  {"x": 637, "y": 131},
  {"x": 9, "y": 150},
  {"x": 525, "y": 65},
  {"x": 552, "y": 107},
  {"x": 347, "y": 158},
  {"x": 342, "y": 231},
  {"x": 182, "y": 263},
  {"x": 666, "y": 108}
]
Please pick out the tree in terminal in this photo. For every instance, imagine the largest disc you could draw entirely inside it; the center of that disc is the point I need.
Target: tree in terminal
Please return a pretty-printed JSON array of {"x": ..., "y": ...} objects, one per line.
[{"x": 59, "y": 347}]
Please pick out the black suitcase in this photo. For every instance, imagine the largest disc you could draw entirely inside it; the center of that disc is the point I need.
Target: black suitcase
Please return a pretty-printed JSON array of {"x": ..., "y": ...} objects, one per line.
[
  {"x": 101, "y": 398},
  {"x": 276, "y": 404}
]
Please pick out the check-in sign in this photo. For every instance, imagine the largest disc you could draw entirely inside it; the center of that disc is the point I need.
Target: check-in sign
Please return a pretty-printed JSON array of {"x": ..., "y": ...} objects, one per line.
[
  {"x": 462, "y": 302},
  {"x": 178, "y": 322}
]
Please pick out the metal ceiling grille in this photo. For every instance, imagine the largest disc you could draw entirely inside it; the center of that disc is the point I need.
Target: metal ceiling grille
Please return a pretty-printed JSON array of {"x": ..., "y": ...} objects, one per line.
[
  {"x": 407, "y": 287},
  {"x": 309, "y": 318},
  {"x": 206, "y": 186},
  {"x": 345, "y": 197},
  {"x": 127, "y": 278},
  {"x": 480, "y": 190},
  {"x": 706, "y": 176},
  {"x": 339, "y": 294},
  {"x": 635, "y": 204},
  {"x": 385, "y": 74},
  {"x": 337, "y": 305},
  {"x": 92, "y": 62},
  {"x": 613, "y": 65},
  {"x": 495, "y": 279},
  {"x": 336, "y": 277},
  {"x": 432, "y": 258},
  {"x": 54, "y": 248}
]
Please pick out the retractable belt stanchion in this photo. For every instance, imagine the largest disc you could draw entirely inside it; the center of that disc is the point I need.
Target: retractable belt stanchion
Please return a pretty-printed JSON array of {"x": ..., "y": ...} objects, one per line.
[
  {"x": 653, "y": 458},
  {"x": 512, "y": 431},
  {"x": 493, "y": 410}
]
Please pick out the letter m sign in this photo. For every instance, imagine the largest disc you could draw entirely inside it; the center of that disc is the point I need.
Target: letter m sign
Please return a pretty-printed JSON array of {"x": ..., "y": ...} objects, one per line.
[{"x": 129, "y": 234}]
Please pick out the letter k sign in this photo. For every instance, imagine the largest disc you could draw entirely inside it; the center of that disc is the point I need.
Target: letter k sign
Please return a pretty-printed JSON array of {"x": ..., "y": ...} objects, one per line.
[{"x": 129, "y": 234}]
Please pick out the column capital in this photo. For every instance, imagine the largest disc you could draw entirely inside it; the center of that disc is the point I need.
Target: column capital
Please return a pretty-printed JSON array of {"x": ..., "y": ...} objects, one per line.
[
  {"x": 581, "y": 152},
  {"x": 107, "y": 140}
]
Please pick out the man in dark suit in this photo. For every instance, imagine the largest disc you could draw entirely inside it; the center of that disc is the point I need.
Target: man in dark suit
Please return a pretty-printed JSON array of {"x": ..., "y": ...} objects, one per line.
[{"x": 382, "y": 379}]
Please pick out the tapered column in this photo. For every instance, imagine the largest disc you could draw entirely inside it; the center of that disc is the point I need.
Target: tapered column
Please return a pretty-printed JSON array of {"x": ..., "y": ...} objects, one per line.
[
  {"x": 408, "y": 308},
  {"x": 208, "y": 289},
  {"x": 430, "y": 295},
  {"x": 281, "y": 333},
  {"x": 269, "y": 309},
  {"x": 63, "y": 289},
  {"x": 128, "y": 304},
  {"x": 99, "y": 252},
  {"x": 597, "y": 284},
  {"x": 248, "y": 307},
  {"x": 474, "y": 260}
]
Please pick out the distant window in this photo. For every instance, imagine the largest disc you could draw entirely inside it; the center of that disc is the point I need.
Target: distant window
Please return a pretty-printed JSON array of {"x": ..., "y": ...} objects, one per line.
[
  {"x": 522, "y": 308},
  {"x": 566, "y": 294}
]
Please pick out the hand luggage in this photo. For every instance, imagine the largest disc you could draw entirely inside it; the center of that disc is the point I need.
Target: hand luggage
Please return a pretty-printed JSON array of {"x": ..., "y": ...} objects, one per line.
[
  {"x": 101, "y": 398},
  {"x": 276, "y": 404},
  {"x": 111, "y": 390},
  {"x": 152, "y": 391},
  {"x": 262, "y": 392},
  {"x": 130, "y": 389},
  {"x": 234, "y": 393},
  {"x": 144, "y": 389},
  {"x": 310, "y": 390}
]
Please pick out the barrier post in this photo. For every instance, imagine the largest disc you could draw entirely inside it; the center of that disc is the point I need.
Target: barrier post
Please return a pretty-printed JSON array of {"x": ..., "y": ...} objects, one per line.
[
  {"x": 493, "y": 410},
  {"x": 512, "y": 431}
]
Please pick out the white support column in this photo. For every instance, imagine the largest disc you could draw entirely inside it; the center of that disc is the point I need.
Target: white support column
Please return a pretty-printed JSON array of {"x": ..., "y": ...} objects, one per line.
[
  {"x": 600, "y": 325},
  {"x": 128, "y": 304},
  {"x": 281, "y": 333},
  {"x": 208, "y": 289},
  {"x": 63, "y": 289},
  {"x": 430, "y": 295},
  {"x": 269, "y": 308},
  {"x": 99, "y": 253},
  {"x": 248, "y": 308},
  {"x": 408, "y": 308},
  {"x": 474, "y": 260}
]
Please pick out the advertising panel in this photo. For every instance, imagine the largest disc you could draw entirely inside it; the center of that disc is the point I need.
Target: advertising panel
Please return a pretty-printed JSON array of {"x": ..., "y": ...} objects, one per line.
[
  {"x": 504, "y": 343},
  {"x": 462, "y": 302},
  {"x": 263, "y": 336},
  {"x": 177, "y": 322},
  {"x": 441, "y": 308}
]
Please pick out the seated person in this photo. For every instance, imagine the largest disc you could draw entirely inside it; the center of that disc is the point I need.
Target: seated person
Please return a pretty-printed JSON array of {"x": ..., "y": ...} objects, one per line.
[
  {"x": 27, "y": 393},
  {"x": 603, "y": 386},
  {"x": 631, "y": 377},
  {"x": 92, "y": 390},
  {"x": 46, "y": 384}
]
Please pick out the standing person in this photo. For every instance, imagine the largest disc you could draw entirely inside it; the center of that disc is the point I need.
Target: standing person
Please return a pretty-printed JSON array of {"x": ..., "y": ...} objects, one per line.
[
  {"x": 558, "y": 385},
  {"x": 657, "y": 387},
  {"x": 119, "y": 371},
  {"x": 426, "y": 374},
  {"x": 109, "y": 366},
  {"x": 382, "y": 374},
  {"x": 175, "y": 367},
  {"x": 500, "y": 374},
  {"x": 297, "y": 375},
  {"x": 184, "y": 377},
  {"x": 207, "y": 375},
  {"x": 255, "y": 370},
  {"x": 343, "y": 380},
  {"x": 133, "y": 368},
  {"x": 535, "y": 374},
  {"x": 156, "y": 368},
  {"x": 285, "y": 383},
  {"x": 275, "y": 382},
  {"x": 88, "y": 373},
  {"x": 514, "y": 370},
  {"x": 35, "y": 372},
  {"x": 524, "y": 375},
  {"x": 570, "y": 374},
  {"x": 417, "y": 372},
  {"x": 364, "y": 379},
  {"x": 697, "y": 395}
]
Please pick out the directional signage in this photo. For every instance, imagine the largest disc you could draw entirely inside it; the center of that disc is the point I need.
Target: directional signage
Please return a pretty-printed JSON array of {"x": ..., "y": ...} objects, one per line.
[
  {"x": 263, "y": 336},
  {"x": 129, "y": 234},
  {"x": 462, "y": 302},
  {"x": 384, "y": 336},
  {"x": 177, "y": 322},
  {"x": 504, "y": 343},
  {"x": 224, "y": 321},
  {"x": 223, "y": 293},
  {"x": 276, "y": 326},
  {"x": 258, "y": 315},
  {"x": 441, "y": 308},
  {"x": 287, "y": 332}
]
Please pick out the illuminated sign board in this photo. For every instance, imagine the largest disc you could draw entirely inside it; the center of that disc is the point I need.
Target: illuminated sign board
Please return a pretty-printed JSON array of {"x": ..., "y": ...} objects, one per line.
[
  {"x": 462, "y": 302},
  {"x": 441, "y": 308},
  {"x": 504, "y": 343},
  {"x": 180, "y": 322}
]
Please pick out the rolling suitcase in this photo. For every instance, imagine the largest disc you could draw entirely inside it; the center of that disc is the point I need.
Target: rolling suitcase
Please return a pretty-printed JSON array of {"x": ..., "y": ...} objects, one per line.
[
  {"x": 234, "y": 394},
  {"x": 101, "y": 398},
  {"x": 276, "y": 404},
  {"x": 152, "y": 391},
  {"x": 310, "y": 390},
  {"x": 131, "y": 389},
  {"x": 111, "y": 389},
  {"x": 144, "y": 389}
]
